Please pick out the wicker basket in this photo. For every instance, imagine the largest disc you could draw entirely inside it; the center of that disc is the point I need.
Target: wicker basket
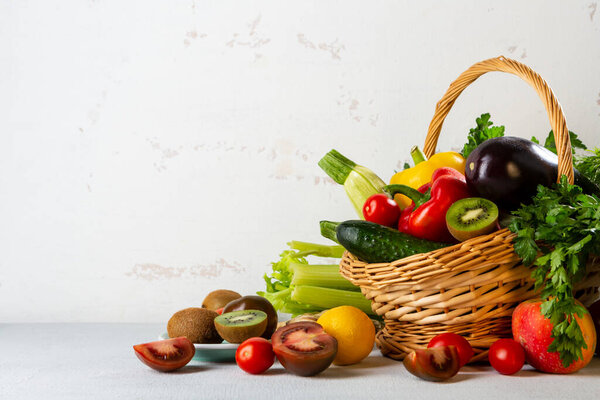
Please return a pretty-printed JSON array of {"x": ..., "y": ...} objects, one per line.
[{"x": 470, "y": 288}]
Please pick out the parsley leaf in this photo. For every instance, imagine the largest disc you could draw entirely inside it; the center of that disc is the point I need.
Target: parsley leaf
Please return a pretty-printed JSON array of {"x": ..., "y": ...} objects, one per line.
[
  {"x": 550, "y": 144},
  {"x": 483, "y": 131},
  {"x": 556, "y": 233},
  {"x": 589, "y": 165}
]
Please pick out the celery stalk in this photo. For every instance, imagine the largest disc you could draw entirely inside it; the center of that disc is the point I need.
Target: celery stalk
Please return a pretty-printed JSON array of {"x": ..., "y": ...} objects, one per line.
[
  {"x": 327, "y": 276},
  {"x": 328, "y": 298},
  {"x": 297, "y": 287},
  {"x": 320, "y": 250}
]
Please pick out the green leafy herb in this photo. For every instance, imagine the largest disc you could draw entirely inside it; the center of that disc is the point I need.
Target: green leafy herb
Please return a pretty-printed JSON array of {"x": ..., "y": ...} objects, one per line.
[
  {"x": 589, "y": 165},
  {"x": 562, "y": 225},
  {"x": 550, "y": 144},
  {"x": 482, "y": 132}
]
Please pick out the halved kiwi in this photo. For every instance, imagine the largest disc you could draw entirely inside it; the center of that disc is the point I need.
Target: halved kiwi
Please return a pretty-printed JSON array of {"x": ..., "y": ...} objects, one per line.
[
  {"x": 237, "y": 326},
  {"x": 471, "y": 217}
]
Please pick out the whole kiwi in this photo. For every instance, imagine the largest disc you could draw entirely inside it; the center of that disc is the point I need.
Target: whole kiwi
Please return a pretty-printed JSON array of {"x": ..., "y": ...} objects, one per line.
[
  {"x": 219, "y": 298},
  {"x": 197, "y": 324},
  {"x": 255, "y": 303}
]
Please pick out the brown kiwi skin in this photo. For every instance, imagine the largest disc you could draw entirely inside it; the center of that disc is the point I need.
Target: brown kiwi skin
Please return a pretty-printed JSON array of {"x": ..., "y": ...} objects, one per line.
[
  {"x": 462, "y": 235},
  {"x": 219, "y": 298},
  {"x": 195, "y": 323},
  {"x": 238, "y": 334}
]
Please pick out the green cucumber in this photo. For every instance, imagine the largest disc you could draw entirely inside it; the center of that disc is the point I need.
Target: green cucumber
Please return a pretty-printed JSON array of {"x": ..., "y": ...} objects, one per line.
[{"x": 376, "y": 243}]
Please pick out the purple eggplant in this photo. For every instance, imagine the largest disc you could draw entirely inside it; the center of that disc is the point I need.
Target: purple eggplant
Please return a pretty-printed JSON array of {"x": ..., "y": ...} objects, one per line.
[{"x": 507, "y": 171}]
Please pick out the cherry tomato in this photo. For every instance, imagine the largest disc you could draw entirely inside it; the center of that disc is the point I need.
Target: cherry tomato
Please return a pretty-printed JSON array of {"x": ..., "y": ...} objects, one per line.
[
  {"x": 166, "y": 355},
  {"x": 255, "y": 355},
  {"x": 507, "y": 356},
  {"x": 463, "y": 347},
  {"x": 382, "y": 210}
]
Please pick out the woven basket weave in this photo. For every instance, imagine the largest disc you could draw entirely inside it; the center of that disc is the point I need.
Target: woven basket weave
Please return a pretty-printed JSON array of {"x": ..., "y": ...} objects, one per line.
[{"x": 470, "y": 288}]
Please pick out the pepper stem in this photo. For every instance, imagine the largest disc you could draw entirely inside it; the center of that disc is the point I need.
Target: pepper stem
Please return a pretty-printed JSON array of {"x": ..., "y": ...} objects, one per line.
[
  {"x": 409, "y": 192},
  {"x": 417, "y": 155}
]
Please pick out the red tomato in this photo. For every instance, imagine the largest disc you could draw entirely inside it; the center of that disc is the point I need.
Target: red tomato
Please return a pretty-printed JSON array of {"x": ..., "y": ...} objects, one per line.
[
  {"x": 506, "y": 356},
  {"x": 464, "y": 349},
  {"x": 255, "y": 355},
  {"x": 382, "y": 210},
  {"x": 166, "y": 355}
]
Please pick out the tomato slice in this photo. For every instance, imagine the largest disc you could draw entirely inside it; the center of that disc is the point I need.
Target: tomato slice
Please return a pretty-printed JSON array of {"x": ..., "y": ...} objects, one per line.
[
  {"x": 166, "y": 355},
  {"x": 433, "y": 364}
]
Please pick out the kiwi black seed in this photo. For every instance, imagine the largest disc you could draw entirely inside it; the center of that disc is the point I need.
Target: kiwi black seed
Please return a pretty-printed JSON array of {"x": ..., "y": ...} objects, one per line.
[
  {"x": 237, "y": 326},
  {"x": 471, "y": 217},
  {"x": 197, "y": 324},
  {"x": 219, "y": 298}
]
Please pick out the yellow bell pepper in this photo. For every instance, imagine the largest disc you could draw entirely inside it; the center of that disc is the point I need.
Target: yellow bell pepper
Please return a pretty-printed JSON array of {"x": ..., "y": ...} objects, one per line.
[{"x": 420, "y": 174}]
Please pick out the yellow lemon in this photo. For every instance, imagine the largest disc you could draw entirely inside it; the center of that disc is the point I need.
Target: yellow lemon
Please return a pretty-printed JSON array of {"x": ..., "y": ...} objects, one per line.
[{"x": 353, "y": 330}]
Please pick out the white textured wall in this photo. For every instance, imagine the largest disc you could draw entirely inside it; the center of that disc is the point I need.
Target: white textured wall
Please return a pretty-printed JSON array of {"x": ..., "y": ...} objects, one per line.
[{"x": 151, "y": 151}]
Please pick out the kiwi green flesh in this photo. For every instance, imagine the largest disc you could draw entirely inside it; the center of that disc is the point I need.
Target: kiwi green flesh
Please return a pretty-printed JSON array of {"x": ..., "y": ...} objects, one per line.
[
  {"x": 471, "y": 217},
  {"x": 237, "y": 326}
]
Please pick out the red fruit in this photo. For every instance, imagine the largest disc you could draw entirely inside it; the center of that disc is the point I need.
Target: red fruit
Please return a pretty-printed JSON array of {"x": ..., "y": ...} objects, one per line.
[
  {"x": 381, "y": 210},
  {"x": 166, "y": 355},
  {"x": 255, "y": 355},
  {"x": 433, "y": 364},
  {"x": 463, "y": 347},
  {"x": 533, "y": 331},
  {"x": 594, "y": 310},
  {"x": 447, "y": 171},
  {"x": 304, "y": 348},
  {"x": 219, "y": 310},
  {"x": 506, "y": 356}
]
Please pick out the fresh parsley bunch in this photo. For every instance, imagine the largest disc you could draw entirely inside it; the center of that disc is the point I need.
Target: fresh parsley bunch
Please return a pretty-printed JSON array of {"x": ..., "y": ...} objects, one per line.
[
  {"x": 589, "y": 165},
  {"x": 482, "y": 132},
  {"x": 556, "y": 233}
]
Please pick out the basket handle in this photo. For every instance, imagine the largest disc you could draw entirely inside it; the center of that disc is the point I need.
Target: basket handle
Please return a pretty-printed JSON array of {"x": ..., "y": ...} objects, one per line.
[{"x": 555, "y": 113}]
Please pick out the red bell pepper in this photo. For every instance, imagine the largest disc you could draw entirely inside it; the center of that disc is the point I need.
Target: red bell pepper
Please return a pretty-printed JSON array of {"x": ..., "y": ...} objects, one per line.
[{"x": 426, "y": 217}]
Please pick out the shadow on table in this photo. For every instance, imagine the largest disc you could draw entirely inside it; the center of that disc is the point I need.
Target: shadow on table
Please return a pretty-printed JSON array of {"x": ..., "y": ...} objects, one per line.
[{"x": 189, "y": 369}]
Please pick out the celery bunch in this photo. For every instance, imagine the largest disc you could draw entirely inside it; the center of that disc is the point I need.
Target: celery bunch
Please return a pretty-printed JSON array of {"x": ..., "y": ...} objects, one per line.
[{"x": 297, "y": 287}]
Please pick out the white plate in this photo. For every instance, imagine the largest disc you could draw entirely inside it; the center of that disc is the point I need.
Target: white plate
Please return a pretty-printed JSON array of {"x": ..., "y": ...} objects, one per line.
[{"x": 214, "y": 352}]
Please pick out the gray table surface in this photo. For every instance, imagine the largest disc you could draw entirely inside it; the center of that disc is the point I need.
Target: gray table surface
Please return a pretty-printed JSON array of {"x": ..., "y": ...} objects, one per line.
[{"x": 96, "y": 361}]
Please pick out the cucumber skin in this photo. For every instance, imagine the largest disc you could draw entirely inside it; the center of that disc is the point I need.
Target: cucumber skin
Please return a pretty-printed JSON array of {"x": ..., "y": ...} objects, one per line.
[{"x": 376, "y": 243}]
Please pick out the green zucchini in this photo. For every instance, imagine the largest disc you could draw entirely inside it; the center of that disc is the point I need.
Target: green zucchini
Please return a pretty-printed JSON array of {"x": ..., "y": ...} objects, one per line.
[{"x": 375, "y": 243}]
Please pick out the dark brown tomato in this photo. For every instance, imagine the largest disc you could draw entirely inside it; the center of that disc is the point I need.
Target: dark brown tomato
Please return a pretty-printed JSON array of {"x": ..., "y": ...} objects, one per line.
[
  {"x": 304, "y": 348},
  {"x": 433, "y": 364},
  {"x": 166, "y": 355}
]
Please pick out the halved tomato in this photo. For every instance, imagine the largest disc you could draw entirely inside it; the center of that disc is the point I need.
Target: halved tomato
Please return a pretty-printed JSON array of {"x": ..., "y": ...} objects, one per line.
[
  {"x": 433, "y": 364},
  {"x": 166, "y": 355}
]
